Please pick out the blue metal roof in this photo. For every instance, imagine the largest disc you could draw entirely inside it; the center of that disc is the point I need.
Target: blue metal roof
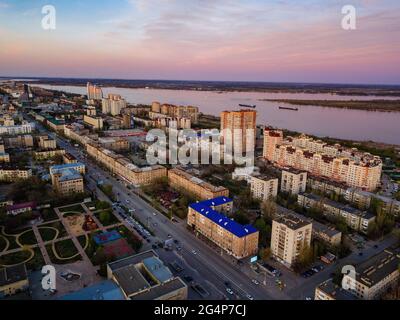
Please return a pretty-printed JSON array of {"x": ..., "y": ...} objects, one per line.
[
  {"x": 105, "y": 290},
  {"x": 67, "y": 166},
  {"x": 204, "y": 208}
]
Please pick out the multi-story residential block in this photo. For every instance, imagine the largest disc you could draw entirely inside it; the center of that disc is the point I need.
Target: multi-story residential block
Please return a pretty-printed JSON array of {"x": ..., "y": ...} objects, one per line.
[
  {"x": 20, "y": 141},
  {"x": 323, "y": 232},
  {"x": 374, "y": 276},
  {"x": 23, "y": 128},
  {"x": 356, "y": 169},
  {"x": 113, "y": 104},
  {"x": 95, "y": 123},
  {"x": 206, "y": 217},
  {"x": 13, "y": 280},
  {"x": 67, "y": 178},
  {"x": 123, "y": 167},
  {"x": 115, "y": 144},
  {"x": 356, "y": 219},
  {"x": 264, "y": 187},
  {"x": 162, "y": 121},
  {"x": 46, "y": 154},
  {"x": 289, "y": 236},
  {"x": 94, "y": 92},
  {"x": 69, "y": 158},
  {"x": 4, "y": 156},
  {"x": 293, "y": 181},
  {"x": 47, "y": 143},
  {"x": 11, "y": 174},
  {"x": 173, "y": 111},
  {"x": 238, "y": 129},
  {"x": 145, "y": 277},
  {"x": 181, "y": 180},
  {"x": 245, "y": 173}
]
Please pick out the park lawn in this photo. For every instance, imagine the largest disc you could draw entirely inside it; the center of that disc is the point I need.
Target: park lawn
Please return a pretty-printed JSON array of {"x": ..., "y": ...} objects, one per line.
[
  {"x": 110, "y": 220},
  {"x": 14, "y": 258},
  {"x": 73, "y": 208},
  {"x": 49, "y": 215},
  {"x": 2, "y": 244},
  {"x": 65, "y": 248},
  {"x": 28, "y": 238},
  {"x": 49, "y": 234},
  {"x": 37, "y": 261}
]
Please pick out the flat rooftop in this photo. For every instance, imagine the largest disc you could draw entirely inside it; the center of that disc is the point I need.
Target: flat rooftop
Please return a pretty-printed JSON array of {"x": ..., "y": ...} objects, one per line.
[
  {"x": 375, "y": 269},
  {"x": 335, "y": 291},
  {"x": 160, "y": 290},
  {"x": 292, "y": 221}
]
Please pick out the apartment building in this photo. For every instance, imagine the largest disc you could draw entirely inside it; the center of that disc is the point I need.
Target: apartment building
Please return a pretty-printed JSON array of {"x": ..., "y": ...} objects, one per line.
[
  {"x": 374, "y": 276},
  {"x": 123, "y": 167},
  {"x": 67, "y": 179},
  {"x": 96, "y": 123},
  {"x": 69, "y": 158},
  {"x": 289, "y": 236},
  {"x": 174, "y": 111},
  {"x": 47, "y": 143},
  {"x": 23, "y": 128},
  {"x": 115, "y": 144},
  {"x": 356, "y": 169},
  {"x": 293, "y": 181},
  {"x": 113, "y": 104},
  {"x": 145, "y": 277},
  {"x": 182, "y": 180},
  {"x": 20, "y": 141},
  {"x": 356, "y": 219},
  {"x": 10, "y": 174},
  {"x": 264, "y": 187},
  {"x": 238, "y": 129},
  {"x": 4, "y": 156},
  {"x": 207, "y": 218},
  {"x": 94, "y": 92},
  {"x": 47, "y": 154},
  {"x": 79, "y": 167},
  {"x": 169, "y": 122},
  {"x": 328, "y": 234}
]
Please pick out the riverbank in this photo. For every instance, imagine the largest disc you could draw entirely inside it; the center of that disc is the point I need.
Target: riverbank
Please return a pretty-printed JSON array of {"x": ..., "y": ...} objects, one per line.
[
  {"x": 232, "y": 86},
  {"x": 370, "y": 105}
]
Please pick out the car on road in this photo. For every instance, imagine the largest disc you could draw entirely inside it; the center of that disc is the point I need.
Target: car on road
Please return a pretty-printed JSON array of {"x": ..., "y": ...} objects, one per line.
[
  {"x": 255, "y": 282},
  {"x": 227, "y": 284},
  {"x": 317, "y": 268},
  {"x": 169, "y": 236},
  {"x": 154, "y": 246},
  {"x": 178, "y": 248},
  {"x": 308, "y": 298},
  {"x": 154, "y": 214},
  {"x": 188, "y": 278},
  {"x": 194, "y": 252},
  {"x": 360, "y": 254},
  {"x": 248, "y": 296},
  {"x": 127, "y": 201},
  {"x": 376, "y": 246},
  {"x": 229, "y": 290}
]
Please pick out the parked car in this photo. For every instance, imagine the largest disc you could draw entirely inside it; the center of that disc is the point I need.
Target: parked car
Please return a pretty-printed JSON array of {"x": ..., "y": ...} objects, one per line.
[{"x": 229, "y": 290}]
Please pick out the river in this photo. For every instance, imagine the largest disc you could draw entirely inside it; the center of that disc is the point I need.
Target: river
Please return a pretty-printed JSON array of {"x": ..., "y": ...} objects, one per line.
[{"x": 320, "y": 121}]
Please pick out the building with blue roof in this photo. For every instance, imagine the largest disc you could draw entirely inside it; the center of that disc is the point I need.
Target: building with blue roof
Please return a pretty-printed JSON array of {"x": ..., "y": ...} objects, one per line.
[
  {"x": 105, "y": 290},
  {"x": 67, "y": 178},
  {"x": 208, "y": 218}
]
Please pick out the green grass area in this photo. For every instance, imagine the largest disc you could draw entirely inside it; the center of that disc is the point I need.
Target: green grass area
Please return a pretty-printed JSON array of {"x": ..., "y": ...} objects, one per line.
[
  {"x": 28, "y": 238},
  {"x": 2, "y": 244},
  {"x": 37, "y": 261},
  {"x": 14, "y": 258},
  {"x": 73, "y": 208},
  {"x": 49, "y": 215},
  {"x": 49, "y": 234},
  {"x": 65, "y": 248},
  {"x": 106, "y": 217}
]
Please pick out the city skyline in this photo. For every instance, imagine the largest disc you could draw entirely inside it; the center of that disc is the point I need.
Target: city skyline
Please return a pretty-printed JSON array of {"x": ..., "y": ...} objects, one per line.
[{"x": 281, "y": 41}]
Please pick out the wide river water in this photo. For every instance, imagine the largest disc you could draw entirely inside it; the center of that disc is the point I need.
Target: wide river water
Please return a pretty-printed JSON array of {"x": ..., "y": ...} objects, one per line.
[{"x": 319, "y": 121}]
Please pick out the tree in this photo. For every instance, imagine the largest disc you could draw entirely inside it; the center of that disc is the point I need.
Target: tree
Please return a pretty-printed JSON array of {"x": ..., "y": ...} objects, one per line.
[
  {"x": 105, "y": 217},
  {"x": 265, "y": 253},
  {"x": 269, "y": 209}
]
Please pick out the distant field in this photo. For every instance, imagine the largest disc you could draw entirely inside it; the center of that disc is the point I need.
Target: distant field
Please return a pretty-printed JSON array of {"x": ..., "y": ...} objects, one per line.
[{"x": 371, "y": 105}]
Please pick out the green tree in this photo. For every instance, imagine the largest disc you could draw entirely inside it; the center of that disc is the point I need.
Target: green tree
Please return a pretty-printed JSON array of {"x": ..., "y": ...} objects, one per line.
[
  {"x": 105, "y": 217},
  {"x": 269, "y": 209}
]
